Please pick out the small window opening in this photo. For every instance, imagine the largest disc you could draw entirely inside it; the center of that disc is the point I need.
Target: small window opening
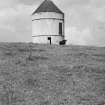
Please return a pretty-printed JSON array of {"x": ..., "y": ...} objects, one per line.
[{"x": 60, "y": 28}]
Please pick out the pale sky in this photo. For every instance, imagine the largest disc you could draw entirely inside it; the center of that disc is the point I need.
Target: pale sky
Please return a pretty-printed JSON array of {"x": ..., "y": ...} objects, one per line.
[{"x": 85, "y": 20}]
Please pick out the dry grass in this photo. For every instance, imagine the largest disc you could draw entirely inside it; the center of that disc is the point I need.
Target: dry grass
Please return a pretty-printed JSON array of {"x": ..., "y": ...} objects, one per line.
[{"x": 32, "y": 74}]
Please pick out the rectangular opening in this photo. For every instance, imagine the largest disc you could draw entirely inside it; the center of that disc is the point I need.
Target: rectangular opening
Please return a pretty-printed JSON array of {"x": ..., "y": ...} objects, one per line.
[
  {"x": 60, "y": 28},
  {"x": 49, "y": 38}
]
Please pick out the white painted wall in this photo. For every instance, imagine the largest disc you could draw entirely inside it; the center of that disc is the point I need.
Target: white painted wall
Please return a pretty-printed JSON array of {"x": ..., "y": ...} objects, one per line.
[
  {"x": 44, "y": 39},
  {"x": 47, "y": 23},
  {"x": 46, "y": 27},
  {"x": 47, "y": 15}
]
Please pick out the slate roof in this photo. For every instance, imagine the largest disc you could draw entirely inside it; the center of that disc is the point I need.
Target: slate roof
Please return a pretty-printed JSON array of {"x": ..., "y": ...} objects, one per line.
[{"x": 48, "y": 6}]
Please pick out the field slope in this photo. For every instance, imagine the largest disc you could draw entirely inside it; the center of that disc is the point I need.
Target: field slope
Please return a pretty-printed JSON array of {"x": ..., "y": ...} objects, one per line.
[{"x": 32, "y": 74}]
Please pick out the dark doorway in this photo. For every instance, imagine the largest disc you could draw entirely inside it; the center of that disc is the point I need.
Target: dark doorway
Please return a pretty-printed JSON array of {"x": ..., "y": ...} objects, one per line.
[
  {"x": 49, "y": 38},
  {"x": 60, "y": 28}
]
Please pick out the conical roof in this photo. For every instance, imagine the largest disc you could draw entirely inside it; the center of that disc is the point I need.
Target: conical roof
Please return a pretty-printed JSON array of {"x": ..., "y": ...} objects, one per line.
[{"x": 47, "y": 6}]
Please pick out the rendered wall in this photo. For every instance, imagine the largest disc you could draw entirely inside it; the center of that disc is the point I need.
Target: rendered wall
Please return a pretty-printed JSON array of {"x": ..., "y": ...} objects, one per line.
[
  {"x": 46, "y": 27},
  {"x": 44, "y": 39},
  {"x": 47, "y": 15}
]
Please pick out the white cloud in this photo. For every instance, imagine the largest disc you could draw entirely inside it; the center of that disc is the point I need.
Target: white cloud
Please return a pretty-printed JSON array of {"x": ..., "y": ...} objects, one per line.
[
  {"x": 15, "y": 23},
  {"x": 80, "y": 37}
]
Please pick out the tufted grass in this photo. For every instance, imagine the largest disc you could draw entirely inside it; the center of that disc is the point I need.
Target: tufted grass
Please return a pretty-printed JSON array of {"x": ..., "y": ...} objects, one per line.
[{"x": 32, "y": 74}]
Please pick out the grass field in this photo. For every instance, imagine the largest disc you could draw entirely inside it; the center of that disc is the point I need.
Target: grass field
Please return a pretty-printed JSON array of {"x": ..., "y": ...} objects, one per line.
[{"x": 32, "y": 74}]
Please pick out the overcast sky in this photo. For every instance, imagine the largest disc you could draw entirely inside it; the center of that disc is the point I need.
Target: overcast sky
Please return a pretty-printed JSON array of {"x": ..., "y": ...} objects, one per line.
[{"x": 85, "y": 20}]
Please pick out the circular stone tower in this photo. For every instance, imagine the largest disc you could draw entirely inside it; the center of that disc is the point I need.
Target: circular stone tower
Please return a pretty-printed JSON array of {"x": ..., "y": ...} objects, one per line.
[{"x": 47, "y": 24}]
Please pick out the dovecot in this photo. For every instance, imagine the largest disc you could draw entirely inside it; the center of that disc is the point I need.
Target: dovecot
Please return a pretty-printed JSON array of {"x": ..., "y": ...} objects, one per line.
[{"x": 48, "y": 24}]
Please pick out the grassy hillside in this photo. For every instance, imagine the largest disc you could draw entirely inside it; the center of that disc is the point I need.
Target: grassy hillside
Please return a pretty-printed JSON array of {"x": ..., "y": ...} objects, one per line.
[{"x": 33, "y": 74}]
